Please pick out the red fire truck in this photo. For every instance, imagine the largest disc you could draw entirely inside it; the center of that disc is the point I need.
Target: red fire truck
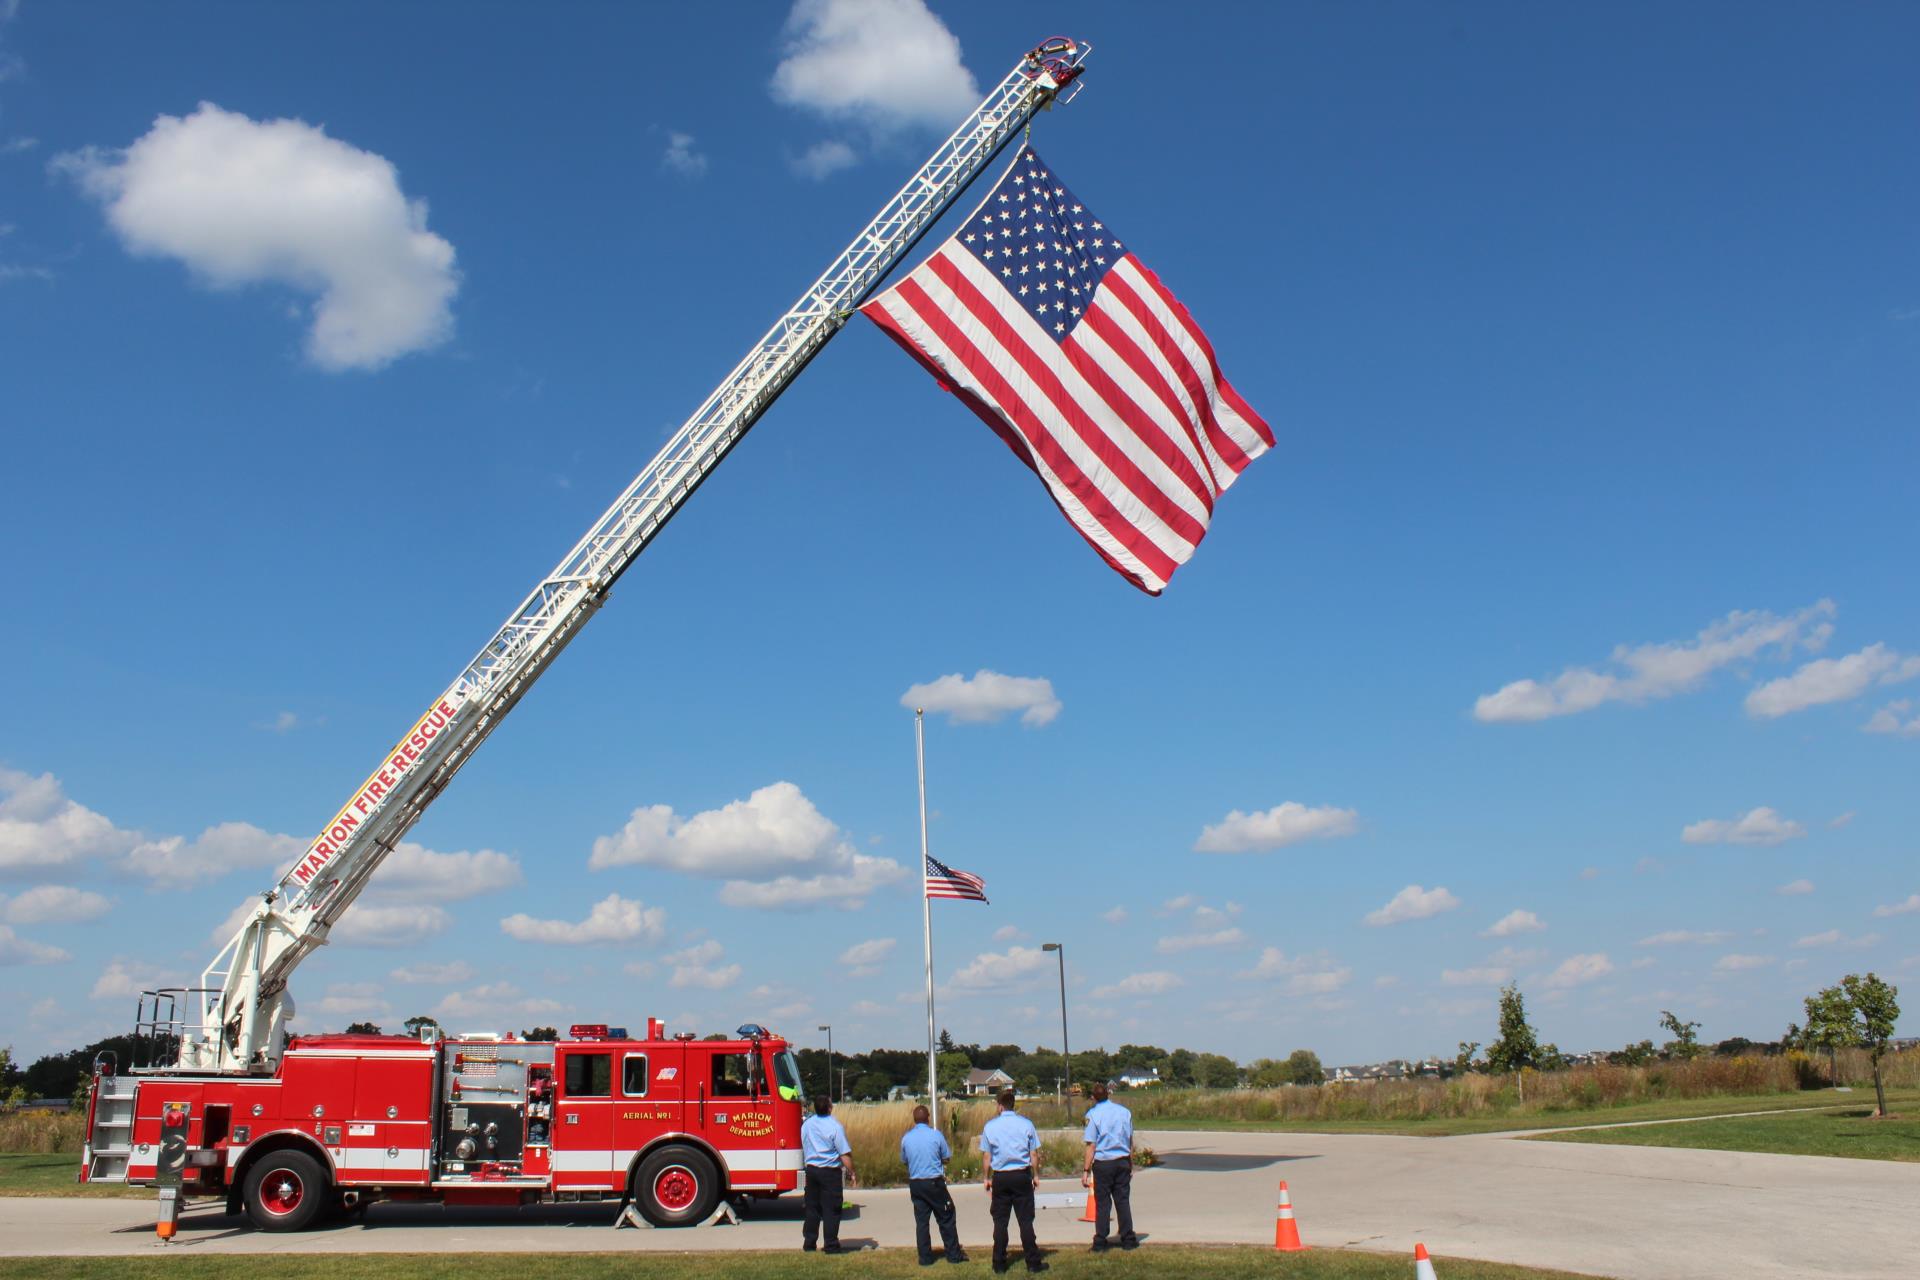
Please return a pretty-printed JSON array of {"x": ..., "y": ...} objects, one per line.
[
  {"x": 673, "y": 1125},
  {"x": 285, "y": 1125}
]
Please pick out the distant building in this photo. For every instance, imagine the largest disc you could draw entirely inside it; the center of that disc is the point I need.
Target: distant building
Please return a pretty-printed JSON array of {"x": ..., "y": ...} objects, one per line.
[
  {"x": 981, "y": 1082},
  {"x": 1138, "y": 1079}
]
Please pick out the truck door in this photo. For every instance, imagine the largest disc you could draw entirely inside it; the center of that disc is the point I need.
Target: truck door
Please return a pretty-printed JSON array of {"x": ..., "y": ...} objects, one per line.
[{"x": 583, "y": 1118}]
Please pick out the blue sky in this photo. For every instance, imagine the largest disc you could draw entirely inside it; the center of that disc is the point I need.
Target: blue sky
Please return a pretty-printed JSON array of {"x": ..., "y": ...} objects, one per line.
[{"x": 1578, "y": 586}]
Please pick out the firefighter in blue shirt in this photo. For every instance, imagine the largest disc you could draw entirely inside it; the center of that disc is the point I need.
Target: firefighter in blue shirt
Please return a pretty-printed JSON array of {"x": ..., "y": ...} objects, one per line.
[
  {"x": 1109, "y": 1168},
  {"x": 925, "y": 1152},
  {"x": 829, "y": 1160},
  {"x": 1009, "y": 1170}
]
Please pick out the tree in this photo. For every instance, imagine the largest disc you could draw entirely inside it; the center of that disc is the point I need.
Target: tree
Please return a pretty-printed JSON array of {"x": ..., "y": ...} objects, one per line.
[
  {"x": 1180, "y": 1067},
  {"x": 1829, "y": 1026},
  {"x": 1303, "y": 1067},
  {"x": 952, "y": 1069},
  {"x": 1685, "y": 1044},
  {"x": 363, "y": 1029},
  {"x": 1875, "y": 1008},
  {"x": 415, "y": 1024},
  {"x": 945, "y": 1043},
  {"x": 1734, "y": 1047},
  {"x": 1463, "y": 1060},
  {"x": 1634, "y": 1055},
  {"x": 538, "y": 1034},
  {"x": 1518, "y": 1046},
  {"x": 871, "y": 1087},
  {"x": 1216, "y": 1071}
]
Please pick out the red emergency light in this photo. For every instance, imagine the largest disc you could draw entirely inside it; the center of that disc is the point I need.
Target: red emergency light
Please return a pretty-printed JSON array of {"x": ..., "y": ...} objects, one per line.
[{"x": 588, "y": 1031}]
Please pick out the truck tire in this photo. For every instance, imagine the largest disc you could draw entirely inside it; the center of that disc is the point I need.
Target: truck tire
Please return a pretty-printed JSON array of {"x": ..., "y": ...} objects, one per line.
[
  {"x": 676, "y": 1186},
  {"x": 286, "y": 1191}
]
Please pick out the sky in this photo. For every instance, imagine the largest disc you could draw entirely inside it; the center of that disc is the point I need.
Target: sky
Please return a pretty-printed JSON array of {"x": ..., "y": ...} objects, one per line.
[{"x": 1568, "y": 636}]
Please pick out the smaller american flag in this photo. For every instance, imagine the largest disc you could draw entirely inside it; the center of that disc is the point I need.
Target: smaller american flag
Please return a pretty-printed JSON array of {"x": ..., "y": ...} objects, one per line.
[{"x": 944, "y": 882}]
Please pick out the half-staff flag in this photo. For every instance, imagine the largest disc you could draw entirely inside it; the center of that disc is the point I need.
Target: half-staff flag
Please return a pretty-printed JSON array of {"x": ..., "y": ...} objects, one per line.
[{"x": 1038, "y": 317}]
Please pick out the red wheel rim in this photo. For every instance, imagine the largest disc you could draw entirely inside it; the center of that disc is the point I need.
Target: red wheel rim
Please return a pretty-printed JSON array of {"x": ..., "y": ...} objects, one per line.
[
  {"x": 282, "y": 1192},
  {"x": 676, "y": 1188}
]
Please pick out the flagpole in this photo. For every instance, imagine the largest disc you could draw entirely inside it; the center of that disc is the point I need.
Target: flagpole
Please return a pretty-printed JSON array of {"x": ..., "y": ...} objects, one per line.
[{"x": 926, "y": 915}]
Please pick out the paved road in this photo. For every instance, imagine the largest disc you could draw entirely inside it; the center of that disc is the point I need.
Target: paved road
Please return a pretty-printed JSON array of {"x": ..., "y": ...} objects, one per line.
[{"x": 1637, "y": 1213}]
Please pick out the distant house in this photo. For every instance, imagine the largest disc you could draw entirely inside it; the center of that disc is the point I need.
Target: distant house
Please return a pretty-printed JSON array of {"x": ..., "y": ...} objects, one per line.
[
  {"x": 1138, "y": 1079},
  {"x": 987, "y": 1082}
]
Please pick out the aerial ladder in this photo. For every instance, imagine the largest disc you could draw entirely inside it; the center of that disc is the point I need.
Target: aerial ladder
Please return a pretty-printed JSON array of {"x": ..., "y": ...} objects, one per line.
[{"x": 237, "y": 1020}]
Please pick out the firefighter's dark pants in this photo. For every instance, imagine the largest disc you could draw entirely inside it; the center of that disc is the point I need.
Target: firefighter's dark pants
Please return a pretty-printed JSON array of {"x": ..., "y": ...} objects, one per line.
[
  {"x": 1013, "y": 1194},
  {"x": 1113, "y": 1190},
  {"x": 931, "y": 1199},
  {"x": 824, "y": 1194}
]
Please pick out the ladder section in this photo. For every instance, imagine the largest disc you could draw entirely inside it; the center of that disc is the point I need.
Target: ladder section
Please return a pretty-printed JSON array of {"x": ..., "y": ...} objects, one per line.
[{"x": 110, "y": 1140}]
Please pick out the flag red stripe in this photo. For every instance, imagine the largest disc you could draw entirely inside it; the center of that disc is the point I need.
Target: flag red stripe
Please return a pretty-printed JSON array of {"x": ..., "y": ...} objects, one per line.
[
  {"x": 1197, "y": 390},
  {"x": 1036, "y": 436},
  {"x": 1185, "y": 317},
  {"x": 1128, "y": 351},
  {"x": 1039, "y": 368},
  {"x": 1142, "y": 423}
]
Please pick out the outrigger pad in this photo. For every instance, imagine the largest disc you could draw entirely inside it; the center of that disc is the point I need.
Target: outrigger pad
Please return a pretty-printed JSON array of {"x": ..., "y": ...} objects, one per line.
[{"x": 630, "y": 1216}]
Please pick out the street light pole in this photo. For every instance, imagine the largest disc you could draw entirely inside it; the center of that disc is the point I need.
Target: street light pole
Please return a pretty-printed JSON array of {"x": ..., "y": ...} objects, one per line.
[
  {"x": 1066, "y": 1054},
  {"x": 828, "y": 1028}
]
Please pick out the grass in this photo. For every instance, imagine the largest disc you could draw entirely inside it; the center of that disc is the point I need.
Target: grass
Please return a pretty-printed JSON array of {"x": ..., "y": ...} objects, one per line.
[
  {"x": 874, "y": 1129},
  {"x": 53, "y": 1175},
  {"x": 1208, "y": 1263},
  {"x": 1850, "y": 1132}
]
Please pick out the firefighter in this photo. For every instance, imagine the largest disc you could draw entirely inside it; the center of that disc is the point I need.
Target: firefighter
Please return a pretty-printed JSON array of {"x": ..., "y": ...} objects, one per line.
[
  {"x": 1010, "y": 1149},
  {"x": 829, "y": 1159},
  {"x": 1109, "y": 1168},
  {"x": 925, "y": 1153}
]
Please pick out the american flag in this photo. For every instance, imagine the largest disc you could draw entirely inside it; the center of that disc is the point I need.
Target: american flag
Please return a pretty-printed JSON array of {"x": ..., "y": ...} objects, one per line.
[
  {"x": 1036, "y": 315},
  {"x": 944, "y": 882}
]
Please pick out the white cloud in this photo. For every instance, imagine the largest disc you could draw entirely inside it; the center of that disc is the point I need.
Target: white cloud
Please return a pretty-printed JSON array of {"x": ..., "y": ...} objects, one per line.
[
  {"x": 1284, "y": 824},
  {"x": 371, "y": 924},
  {"x": 699, "y": 966},
  {"x": 1386, "y": 980},
  {"x": 1756, "y": 826},
  {"x": 993, "y": 970},
  {"x": 1841, "y": 821},
  {"x": 864, "y": 959},
  {"x": 1795, "y": 887},
  {"x": 682, "y": 156},
  {"x": 53, "y": 904},
  {"x": 1575, "y": 970},
  {"x": 285, "y": 722},
  {"x": 242, "y": 202},
  {"x": 1646, "y": 672},
  {"x": 430, "y": 971},
  {"x": 414, "y": 870},
  {"x": 1589, "y": 873},
  {"x": 229, "y": 846},
  {"x": 1514, "y": 922},
  {"x": 501, "y": 1001},
  {"x": 1008, "y": 933},
  {"x": 1740, "y": 963},
  {"x": 1413, "y": 903},
  {"x": 125, "y": 979},
  {"x": 15, "y": 949},
  {"x": 1911, "y": 905},
  {"x": 1139, "y": 986},
  {"x": 1197, "y": 941},
  {"x": 1173, "y": 906},
  {"x": 1513, "y": 957},
  {"x": 824, "y": 159},
  {"x": 1827, "y": 680},
  {"x": 986, "y": 696},
  {"x": 1275, "y": 963},
  {"x": 884, "y": 65},
  {"x": 612, "y": 919},
  {"x": 1317, "y": 982},
  {"x": 353, "y": 1001},
  {"x": 1490, "y": 976},
  {"x": 774, "y": 849},
  {"x": 1834, "y": 938},
  {"x": 1117, "y": 915},
  {"x": 1675, "y": 936},
  {"x": 42, "y": 830},
  {"x": 1894, "y": 718}
]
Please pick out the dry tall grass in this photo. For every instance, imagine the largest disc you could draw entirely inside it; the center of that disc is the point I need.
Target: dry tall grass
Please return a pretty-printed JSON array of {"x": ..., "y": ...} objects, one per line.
[
  {"x": 42, "y": 1133},
  {"x": 874, "y": 1131}
]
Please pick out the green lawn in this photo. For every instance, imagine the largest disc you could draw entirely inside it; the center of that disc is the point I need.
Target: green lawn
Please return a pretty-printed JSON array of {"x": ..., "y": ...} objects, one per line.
[
  {"x": 1499, "y": 1122},
  {"x": 38, "y": 1175},
  {"x": 1211, "y": 1264},
  {"x": 1851, "y": 1131}
]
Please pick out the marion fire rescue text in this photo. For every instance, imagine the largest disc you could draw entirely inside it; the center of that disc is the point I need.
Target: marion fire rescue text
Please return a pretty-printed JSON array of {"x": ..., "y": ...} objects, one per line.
[{"x": 399, "y": 761}]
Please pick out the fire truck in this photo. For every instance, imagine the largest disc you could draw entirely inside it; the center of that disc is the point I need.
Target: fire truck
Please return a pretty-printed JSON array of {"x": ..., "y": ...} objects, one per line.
[{"x": 288, "y": 1126}]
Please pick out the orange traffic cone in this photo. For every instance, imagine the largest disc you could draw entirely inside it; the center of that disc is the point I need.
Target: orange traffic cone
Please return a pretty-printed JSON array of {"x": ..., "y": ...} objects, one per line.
[
  {"x": 1087, "y": 1214},
  {"x": 1286, "y": 1233},
  {"x": 1422, "y": 1264}
]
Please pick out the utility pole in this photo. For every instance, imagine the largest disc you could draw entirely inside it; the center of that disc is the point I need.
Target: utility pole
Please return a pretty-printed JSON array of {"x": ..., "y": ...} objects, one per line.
[
  {"x": 1066, "y": 1054},
  {"x": 828, "y": 1028}
]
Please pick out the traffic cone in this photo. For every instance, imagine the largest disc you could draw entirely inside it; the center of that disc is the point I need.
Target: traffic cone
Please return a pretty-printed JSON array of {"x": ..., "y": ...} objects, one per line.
[
  {"x": 1422, "y": 1264},
  {"x": 1087, "y": 1214},
  {"x": 1286, "y": 1233}
]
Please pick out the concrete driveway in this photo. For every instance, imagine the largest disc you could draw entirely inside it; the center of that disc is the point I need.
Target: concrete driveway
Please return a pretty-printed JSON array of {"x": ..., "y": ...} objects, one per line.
[{"x": 1636, "y": 1213}]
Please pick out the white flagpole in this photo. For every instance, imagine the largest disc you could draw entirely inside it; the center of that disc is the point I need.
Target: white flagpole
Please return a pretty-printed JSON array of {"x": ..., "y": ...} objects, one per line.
[{"x": 926, "y": 916}]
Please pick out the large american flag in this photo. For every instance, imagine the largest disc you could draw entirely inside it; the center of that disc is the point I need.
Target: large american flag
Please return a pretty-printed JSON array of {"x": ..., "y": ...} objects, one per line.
[
  {"x": 944, "y": 882},
  {"x": 1036, "y": 315}
]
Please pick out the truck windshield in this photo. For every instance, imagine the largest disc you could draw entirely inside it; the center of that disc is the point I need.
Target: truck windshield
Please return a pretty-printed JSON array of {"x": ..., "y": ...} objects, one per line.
[{"x": 786, "y": 1073}]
